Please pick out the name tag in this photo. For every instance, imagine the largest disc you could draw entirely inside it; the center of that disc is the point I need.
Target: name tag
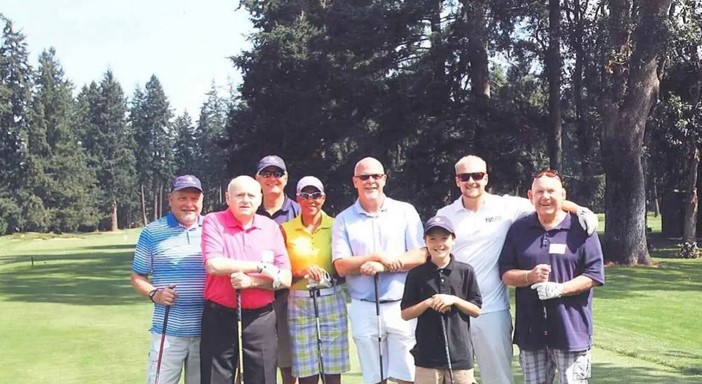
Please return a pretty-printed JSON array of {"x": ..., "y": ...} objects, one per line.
[
  {"x": 557, "y": 249},
  {"x": 267, "y": 256}
]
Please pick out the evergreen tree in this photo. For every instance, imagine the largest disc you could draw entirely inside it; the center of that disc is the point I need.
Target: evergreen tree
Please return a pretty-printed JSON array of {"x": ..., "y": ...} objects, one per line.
[
  {"x": 150, "y": 116},
  {"x": 15, "y": 96},
  {"x": 110, "y": 148},
  {"x": 61, "y": 180},
  {"x": 185, "y": 150},
  {"x": 211, "y": 144}
]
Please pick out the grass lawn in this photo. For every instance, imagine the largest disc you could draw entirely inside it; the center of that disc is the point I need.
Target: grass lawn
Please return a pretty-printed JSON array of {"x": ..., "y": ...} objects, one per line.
[{"x": 72, "y": 316}]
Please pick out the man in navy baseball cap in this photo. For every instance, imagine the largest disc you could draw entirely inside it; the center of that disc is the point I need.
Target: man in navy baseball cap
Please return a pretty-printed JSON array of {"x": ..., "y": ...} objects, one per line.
[{"x": 186, "y": 181}]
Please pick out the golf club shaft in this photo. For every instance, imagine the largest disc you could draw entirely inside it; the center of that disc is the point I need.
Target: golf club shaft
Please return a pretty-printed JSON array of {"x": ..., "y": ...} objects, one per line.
[
  {"x": 446, "y": 346},
  {"x": 314, "y": 292},
  {"x": 239, "y": 379},
  {"x": 380, "y": 335},
  {"x": 163, "y": 339}
]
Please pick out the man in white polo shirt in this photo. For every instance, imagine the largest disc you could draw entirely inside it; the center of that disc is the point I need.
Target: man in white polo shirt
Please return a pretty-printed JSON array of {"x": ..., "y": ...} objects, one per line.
[{"x": 481, "y": 221}]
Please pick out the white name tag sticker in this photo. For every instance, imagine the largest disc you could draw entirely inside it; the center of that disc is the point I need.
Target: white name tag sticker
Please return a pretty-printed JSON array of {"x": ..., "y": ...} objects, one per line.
[
  {"x": 557, "y": 249},
  {"x": 267, "y": 256}
]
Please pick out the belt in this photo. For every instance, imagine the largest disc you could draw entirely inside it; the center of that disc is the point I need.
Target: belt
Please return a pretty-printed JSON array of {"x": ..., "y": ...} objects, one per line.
[
  {"x": 219, "y": 307},
  {"x": 309, "y": 293},
  {"x": 381, "y": 301}
]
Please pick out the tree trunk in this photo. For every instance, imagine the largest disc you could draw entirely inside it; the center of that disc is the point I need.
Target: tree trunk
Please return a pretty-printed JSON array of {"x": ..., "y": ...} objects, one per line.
[
  {"x": 690, "y": 202},
  {"x": 553, "y": 70},
  {"x": 115, "y": 225},
  {"x": 155, "y": 203},
  {"x": 143, "y": 205},
  {"x": 474, "y": 15},
  {"x": 633, "y": 88}
]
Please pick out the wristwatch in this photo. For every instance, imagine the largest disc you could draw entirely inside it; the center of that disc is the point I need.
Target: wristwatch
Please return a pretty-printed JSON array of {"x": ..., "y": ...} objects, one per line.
[{"x": 153, "y": 293}]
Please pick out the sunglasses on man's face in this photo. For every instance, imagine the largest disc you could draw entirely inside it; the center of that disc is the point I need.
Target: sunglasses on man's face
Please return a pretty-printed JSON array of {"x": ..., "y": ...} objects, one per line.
[
  {"x": 312, "y": 195},
  {"x": 375, "y": 176},
  {"x": 277, "y": 174},
  {"x": 477, "y": 176},
  {"x": 547, "y": 173}
]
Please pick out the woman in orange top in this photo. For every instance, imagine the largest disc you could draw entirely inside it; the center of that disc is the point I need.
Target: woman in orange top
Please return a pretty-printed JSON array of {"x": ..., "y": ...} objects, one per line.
[{"x": 308, "y": 240}]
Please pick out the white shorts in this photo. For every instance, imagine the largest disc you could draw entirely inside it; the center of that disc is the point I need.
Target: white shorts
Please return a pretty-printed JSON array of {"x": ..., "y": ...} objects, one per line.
[
  {"x": 491, "y": 334},
  {"x": 397, "y": 340},
  {"x": 178, "y": 353}
]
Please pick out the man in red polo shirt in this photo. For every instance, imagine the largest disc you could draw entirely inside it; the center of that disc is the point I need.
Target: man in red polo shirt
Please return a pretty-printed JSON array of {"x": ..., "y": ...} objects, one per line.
[{"x": 243, "y": 252}]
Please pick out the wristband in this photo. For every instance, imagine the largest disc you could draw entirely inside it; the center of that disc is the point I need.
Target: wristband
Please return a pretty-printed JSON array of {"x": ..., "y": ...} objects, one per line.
[{"x": 153, "y": 293}]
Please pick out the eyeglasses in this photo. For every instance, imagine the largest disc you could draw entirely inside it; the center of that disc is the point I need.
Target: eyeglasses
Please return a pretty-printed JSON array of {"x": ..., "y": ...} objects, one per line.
[
  {"x": 267, "y": 174},
  {"x": 547, "y": 173},
  {"x": 477, "y": 176},
  {"x": 375, "y": 176},
  {"x": 313, "y": 195}
]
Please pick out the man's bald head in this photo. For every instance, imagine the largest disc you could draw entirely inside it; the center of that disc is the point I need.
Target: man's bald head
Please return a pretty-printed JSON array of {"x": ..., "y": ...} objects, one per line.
[{"x": 243, "y": 197}]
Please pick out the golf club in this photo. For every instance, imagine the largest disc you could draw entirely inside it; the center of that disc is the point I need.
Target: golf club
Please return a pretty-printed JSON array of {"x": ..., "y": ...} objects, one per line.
[
  {"x": 163, "y": 339},
  {"x": 446, "y": 345},
  {"x": 239, "y": 377},
  {"x": 314, "y": 291},
  {"x": 380, "y": 335}
]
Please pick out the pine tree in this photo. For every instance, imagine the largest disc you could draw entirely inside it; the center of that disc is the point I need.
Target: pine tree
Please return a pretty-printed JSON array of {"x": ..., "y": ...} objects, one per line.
[
  {"x": 15, "y": 96},
  {"x": 103, "y": 110},
  {"x": 64, "y": 183}
]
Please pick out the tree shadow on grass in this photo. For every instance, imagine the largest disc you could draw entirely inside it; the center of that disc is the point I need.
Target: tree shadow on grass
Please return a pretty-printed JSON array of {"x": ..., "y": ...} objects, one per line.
[
  {"x": 99, "y": 278},
  {"x": 678, "y": 277},
  {"x": 611, "y": 373}
]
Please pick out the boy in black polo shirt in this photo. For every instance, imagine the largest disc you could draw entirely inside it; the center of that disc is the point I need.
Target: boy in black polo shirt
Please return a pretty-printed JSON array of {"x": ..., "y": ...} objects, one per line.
[{"x": 442, "y": 289}]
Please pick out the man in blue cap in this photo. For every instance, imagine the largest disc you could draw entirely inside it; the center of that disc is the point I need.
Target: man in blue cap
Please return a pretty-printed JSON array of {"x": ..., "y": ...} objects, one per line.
[
  {"x": 272, "y": 174},
  {"x": 169, "y": 250}
]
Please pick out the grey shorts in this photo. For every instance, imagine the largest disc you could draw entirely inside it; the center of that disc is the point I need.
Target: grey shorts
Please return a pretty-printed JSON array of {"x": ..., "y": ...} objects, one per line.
[{"x": 540, "y": 366}]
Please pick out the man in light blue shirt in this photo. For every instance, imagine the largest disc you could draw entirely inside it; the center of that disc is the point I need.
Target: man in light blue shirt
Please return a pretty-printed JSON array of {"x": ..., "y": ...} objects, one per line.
[
  {"x": 368, "y": 238},
  {"x": 169, "y": 250}
]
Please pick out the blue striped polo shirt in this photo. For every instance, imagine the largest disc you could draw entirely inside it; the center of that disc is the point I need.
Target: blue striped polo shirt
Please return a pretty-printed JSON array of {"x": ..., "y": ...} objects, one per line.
[{"x": 171, "y": 254}]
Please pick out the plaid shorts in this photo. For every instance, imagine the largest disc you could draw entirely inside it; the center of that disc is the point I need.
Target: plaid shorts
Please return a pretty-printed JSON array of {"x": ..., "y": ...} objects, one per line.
[
  {"x": 540, "y": 366},
  {"x": 303, "y": 333}
]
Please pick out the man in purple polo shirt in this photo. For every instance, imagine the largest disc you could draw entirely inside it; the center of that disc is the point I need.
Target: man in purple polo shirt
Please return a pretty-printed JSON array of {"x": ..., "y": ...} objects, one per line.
[
  {"x": 272, "y": 174},
  {"x": 554, "y": 264}
]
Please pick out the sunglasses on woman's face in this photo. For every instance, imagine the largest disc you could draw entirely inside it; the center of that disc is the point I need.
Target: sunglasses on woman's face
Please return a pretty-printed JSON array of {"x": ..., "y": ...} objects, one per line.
[
  {"x": 312, "y": 195},
  {"x": 277, "y": 174},
  {"x": 477, "y": 176}
]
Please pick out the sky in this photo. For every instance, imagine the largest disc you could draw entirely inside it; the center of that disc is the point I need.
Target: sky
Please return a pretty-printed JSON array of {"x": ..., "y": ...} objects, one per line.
[{"x": 185, "y": 43}]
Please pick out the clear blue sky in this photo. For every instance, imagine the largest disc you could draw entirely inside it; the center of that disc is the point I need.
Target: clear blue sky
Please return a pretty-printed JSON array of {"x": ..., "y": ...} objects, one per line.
[{"x": 185, "y": 43}]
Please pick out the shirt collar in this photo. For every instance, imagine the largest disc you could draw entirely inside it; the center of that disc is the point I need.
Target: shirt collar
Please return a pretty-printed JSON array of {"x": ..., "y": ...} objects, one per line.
[
  {"x": 173, "y": 222},
  {"x": 358, "y": 208},
  {"x": 533, "y": 221},
  {"x": 445, "y": 270},
  {"x": 327, "y": 222},
  {"x": 231, "y": 221}
]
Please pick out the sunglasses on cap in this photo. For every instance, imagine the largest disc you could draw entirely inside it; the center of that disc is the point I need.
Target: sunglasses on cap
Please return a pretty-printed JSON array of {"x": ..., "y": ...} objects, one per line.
[
  {"x": 477, "y": 176},
  {"x": 277, "y": 174},
  {"x": 312, "y": 195},
  {"x": 375, "y": 176},
  {"x": 547, "y": 173}
]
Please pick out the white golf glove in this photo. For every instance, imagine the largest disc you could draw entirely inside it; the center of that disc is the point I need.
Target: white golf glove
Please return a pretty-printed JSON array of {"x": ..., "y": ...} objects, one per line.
[
  {"x": 588, "y": 220},
  {"x": 548, "y": 290},
  {"x": 325, "y": 282},
  {"x": 270, "y": 270}
]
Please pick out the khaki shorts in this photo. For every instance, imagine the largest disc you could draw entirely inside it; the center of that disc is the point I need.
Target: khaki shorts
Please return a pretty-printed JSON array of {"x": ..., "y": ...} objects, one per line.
[{"x": 443, "y": 376}]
